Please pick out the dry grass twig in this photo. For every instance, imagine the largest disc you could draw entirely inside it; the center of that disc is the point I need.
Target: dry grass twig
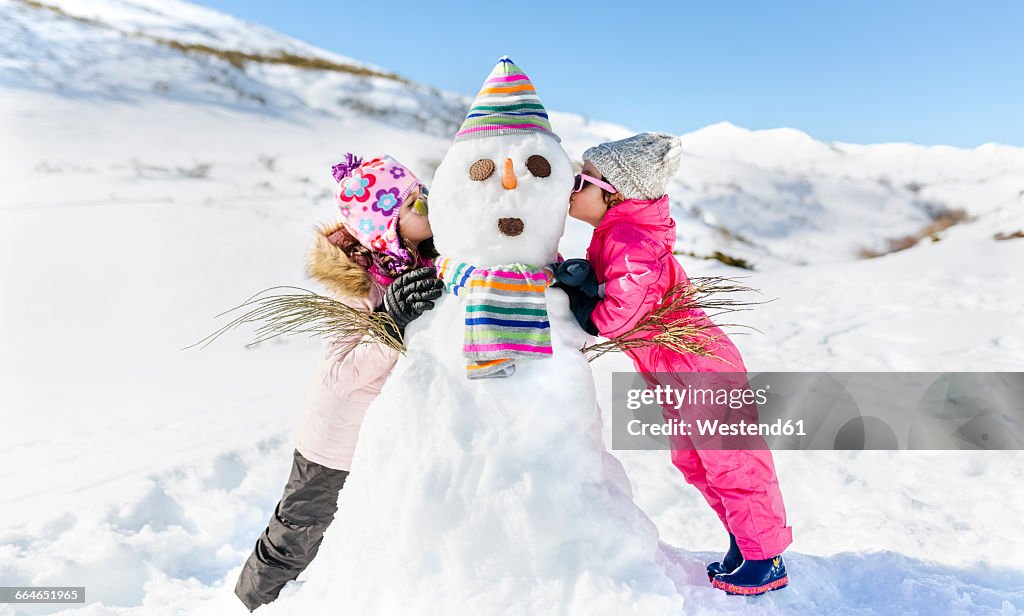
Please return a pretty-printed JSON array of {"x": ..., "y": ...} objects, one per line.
[
  {"x": 672, "y": 324},
  {"x": 306, "y": 312}
]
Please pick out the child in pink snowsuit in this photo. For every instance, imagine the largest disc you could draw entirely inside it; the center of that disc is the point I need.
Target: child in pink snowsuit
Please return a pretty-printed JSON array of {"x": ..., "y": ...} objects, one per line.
[{"x": 621, "y": 192}]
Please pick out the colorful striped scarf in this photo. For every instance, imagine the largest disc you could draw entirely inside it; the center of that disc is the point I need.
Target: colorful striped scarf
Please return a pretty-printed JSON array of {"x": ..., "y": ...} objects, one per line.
[{"x": 506, "y": 314}]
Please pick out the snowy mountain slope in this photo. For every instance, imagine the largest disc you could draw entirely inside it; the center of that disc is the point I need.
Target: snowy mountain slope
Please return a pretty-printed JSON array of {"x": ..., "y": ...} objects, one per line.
[
  {"x": 779, "y": 194},
  {"x": 769, "y": 197},
  {"x": 138, "y": 51},
  {"x": 129, "y": 216}
]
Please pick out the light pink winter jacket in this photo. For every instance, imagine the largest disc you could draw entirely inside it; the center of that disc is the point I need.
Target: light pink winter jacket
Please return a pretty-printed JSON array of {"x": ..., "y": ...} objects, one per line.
[{"x": 349, "y": 379}]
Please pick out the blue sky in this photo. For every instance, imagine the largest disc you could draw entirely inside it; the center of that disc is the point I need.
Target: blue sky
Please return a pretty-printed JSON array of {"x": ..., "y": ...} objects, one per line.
[{"x": 863, "y": 72}]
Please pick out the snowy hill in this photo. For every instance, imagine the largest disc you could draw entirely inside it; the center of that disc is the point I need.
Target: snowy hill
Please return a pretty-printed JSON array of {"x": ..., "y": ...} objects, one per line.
[
  {"x": 779, "y": 194},
  {"x": 768, "y": 197},
  {"x": 134, "y": 51},
  {"x": 161, "y": 162}
]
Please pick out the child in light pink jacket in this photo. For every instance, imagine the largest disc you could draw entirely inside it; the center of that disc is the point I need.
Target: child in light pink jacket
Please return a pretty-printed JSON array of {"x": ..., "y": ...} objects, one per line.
[
  {"x": 376, "y": 258},
  {"x": 629, "y": 269}
]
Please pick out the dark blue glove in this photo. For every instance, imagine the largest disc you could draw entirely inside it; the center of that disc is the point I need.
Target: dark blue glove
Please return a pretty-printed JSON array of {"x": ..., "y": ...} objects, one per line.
[
  {"x": 577, "y": 273},
  {"x": 577, "y": 278}
]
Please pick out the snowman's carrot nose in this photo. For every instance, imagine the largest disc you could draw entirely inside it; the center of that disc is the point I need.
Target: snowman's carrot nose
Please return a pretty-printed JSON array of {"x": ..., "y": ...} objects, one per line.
[{"x": 509, "y": 179}]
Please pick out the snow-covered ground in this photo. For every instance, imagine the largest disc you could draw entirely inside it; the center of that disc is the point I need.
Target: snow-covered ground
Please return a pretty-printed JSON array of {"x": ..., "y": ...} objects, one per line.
[{"x": 132, "y": 212}]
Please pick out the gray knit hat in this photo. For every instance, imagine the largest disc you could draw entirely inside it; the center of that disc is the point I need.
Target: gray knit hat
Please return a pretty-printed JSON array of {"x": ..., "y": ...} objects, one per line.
[{"x": 639, "y": 166}]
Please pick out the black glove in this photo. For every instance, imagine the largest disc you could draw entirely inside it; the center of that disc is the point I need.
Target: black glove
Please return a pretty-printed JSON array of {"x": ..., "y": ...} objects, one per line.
[
  {"x": 410, "y": 295},
  {"x": 577, "y": 273},
  {"x": 582, "y": 306},
  {"x": 577, "y": 278}
]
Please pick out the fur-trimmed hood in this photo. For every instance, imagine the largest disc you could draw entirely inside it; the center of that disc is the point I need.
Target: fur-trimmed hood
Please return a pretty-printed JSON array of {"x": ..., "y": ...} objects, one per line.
[{"x": 330, "y": 266}]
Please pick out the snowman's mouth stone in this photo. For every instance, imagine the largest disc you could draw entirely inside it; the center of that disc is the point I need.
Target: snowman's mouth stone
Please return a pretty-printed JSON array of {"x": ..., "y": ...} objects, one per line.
[{"x": 510, "y": 226}]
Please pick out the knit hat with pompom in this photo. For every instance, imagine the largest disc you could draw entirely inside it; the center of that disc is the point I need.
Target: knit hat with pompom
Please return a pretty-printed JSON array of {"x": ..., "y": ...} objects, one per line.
[{"x": 639, "y": 166}]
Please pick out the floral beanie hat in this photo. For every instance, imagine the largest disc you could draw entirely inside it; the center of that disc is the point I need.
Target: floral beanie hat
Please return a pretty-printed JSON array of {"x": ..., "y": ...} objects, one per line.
[{"x": 370, "y": 195}]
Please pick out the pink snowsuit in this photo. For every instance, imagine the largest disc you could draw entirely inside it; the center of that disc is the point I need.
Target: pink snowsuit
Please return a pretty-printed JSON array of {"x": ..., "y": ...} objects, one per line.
[{"x": 631, "y": 253}]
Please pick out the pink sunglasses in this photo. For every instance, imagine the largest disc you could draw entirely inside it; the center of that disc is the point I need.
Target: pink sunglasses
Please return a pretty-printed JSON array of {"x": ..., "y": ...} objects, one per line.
[{"x": 582, "y": 179}]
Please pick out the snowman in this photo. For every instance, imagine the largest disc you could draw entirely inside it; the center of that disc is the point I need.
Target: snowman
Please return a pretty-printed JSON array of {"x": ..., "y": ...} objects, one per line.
[{"x": 480, "y": 484}]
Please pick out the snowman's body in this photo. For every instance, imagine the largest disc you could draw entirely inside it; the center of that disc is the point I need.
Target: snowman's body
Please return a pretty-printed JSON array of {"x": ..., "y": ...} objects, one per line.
[
  {"x": 492, "y": 496},
  {"x": 495, "y": 495}
]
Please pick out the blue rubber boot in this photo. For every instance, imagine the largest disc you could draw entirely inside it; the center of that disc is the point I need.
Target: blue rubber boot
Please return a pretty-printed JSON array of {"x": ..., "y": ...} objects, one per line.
[
  {"x": 732, "y": 560},
  {"x": 754, "y": 577}
]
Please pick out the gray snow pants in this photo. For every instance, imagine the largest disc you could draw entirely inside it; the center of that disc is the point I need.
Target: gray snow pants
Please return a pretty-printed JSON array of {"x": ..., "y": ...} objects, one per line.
[{"x": 293, "y": 536}]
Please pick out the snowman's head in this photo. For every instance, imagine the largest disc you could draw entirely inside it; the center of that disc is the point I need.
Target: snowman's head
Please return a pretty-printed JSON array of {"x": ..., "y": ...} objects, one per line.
[
  {"x": 501, "y": 194},
  {"x": 501, "y": 199}
]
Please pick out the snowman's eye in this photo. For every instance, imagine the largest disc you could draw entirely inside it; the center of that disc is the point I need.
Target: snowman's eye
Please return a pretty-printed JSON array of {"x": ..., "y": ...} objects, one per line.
[
  {"x": 538, "y": 166},
  {"x": 481, "y": 170}
]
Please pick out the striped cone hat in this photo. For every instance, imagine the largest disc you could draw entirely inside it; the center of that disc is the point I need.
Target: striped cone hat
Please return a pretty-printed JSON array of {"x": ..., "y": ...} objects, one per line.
[{"x": 506, "y": 104}]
